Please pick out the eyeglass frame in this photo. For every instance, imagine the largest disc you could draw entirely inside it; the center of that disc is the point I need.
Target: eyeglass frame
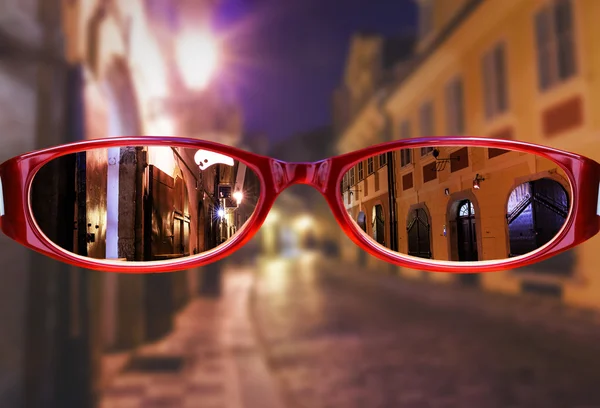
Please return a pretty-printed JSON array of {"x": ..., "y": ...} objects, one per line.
[{"x": 18, "y": 221}]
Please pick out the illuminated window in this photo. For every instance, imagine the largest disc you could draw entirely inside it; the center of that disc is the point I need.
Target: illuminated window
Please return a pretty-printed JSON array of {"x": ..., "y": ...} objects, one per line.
[{"x": 465, "y": 208}]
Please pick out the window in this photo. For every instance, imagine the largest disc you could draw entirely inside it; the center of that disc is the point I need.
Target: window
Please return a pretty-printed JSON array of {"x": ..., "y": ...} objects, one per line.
[
  {"x": 345, "y": 183},
  {"x": 454, "y": 107},
  {"x": 555, "y": 43},
  {"x": 370, "y": 166},
  {"x": 352, "y": 178},
  {"x": 361, "y": 171},
  {"x": 382, "y": 160},
  {"x": 426, "y": 123},
  {"x": 405, "y": 154},
  {"x": 425, "y": 18},
  {"x": 466, "y": 209},
  {"x": 495, "y": 92}
]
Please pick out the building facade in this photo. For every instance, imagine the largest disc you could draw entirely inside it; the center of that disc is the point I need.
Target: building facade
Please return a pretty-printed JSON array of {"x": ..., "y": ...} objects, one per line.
[
  {"x": 84, "y": 69},
  {"x": 504, "y": 69},
  {"x": 360, "y": 120}
]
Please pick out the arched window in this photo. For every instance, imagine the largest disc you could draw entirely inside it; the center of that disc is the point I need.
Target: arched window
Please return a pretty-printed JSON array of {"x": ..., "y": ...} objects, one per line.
[
  {"x": 535, "y": 212},
  {"x": 466, "y": 209}
]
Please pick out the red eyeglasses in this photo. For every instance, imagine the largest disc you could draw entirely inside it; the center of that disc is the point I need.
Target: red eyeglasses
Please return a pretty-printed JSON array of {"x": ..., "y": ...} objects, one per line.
[{"x": 158, "y": 204}]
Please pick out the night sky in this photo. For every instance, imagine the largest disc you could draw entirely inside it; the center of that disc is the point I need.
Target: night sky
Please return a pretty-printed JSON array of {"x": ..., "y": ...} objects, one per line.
[{"x": 285, "y": 57}]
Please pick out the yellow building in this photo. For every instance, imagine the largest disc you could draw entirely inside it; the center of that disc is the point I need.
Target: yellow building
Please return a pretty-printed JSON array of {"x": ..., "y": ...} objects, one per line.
[{"x": 499, "y": 68}]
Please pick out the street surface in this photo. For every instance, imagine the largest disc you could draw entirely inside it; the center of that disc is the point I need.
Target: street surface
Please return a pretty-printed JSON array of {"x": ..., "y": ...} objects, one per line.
[
  {"x": 210, "y": 360},
  {"x": 339, "y": 337}
]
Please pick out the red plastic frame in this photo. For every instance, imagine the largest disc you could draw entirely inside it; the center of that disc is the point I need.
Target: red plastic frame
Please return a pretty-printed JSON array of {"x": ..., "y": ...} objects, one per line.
[{"x": 17, "y": 222}]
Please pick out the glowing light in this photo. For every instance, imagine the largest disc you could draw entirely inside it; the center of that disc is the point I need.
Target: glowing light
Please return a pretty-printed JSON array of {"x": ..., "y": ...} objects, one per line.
[
  {"x": 304, "y": 222},
  {"x": 162, "y": 158},
  {"x": 196, "y": 55},
  {"x": 206, "y": 158},
  {"x": 272, "y": 217},
  {"x": 221, "y": 213},
  {"x": 149, "y": 62},
  {"x": 162, "y": 126},
  {"x": 238, "y": 196}
]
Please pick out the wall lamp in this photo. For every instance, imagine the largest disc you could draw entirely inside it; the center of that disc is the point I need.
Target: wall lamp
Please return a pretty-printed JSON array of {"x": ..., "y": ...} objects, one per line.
[
  {"x": 352, "y": 191},
  {"x": 441, "y": 162},
  {"x": 476, "y": 181}
]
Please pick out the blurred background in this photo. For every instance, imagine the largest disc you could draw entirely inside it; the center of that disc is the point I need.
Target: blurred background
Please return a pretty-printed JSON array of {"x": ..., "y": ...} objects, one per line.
[{"x": 300, "y": 316}]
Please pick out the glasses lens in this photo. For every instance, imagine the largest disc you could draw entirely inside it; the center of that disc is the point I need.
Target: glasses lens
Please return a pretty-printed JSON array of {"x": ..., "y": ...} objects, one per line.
[
  {"x": 143, "y": 203},
  {"x": 456, "y": 203}
]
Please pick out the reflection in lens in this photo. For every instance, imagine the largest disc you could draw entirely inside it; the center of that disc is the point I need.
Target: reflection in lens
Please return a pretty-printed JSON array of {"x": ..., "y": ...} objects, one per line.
[
  {"x": 457, "y": 203},
  {"x": 143, "y": 203}
]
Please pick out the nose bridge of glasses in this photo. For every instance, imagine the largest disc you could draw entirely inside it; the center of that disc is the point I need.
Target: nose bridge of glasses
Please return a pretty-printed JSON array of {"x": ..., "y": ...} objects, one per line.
[{"x": 314, "y": 174}]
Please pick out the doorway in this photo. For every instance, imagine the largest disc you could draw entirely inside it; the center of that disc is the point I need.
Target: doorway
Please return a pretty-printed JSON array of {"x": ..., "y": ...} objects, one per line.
[
  {"x": 361, "y": 220},
  {"x": 419, "y": 233},
  {"x": 536, "y": 211},
  {"x": 466, "y": 236},
  {"x": 378, "y": 224}
]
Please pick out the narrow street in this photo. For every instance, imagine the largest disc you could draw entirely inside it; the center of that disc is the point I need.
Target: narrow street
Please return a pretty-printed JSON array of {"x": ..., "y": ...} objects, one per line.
[
  {"x": 304, "y": 331},
  {"x": 210, "y": 360},
  {"x": 336, "y": 337}
]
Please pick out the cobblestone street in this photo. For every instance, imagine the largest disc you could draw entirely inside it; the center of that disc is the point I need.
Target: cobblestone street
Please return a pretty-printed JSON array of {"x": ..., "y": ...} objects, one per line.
[
  {"x": 338, "y": 338},
  {"x": 210, "y": 360}
]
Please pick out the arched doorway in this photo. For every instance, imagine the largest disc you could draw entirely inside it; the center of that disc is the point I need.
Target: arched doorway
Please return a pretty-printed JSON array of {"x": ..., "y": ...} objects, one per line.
[
  {"x": 361, "y": 220},
  {"x": 418, "y": 229},
  {"x": 466, "y": 238},
  {"x": 378, "y": 224},
  {"x": 535, "y": 213},
  {"x": 465, "y": 229}
]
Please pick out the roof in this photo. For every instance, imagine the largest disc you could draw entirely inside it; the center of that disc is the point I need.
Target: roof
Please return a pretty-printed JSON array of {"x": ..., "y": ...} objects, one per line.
[{"x": 397, "y": 49}]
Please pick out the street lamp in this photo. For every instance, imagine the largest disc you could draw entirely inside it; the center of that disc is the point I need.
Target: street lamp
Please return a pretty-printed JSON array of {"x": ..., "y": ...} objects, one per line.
[
  {"x": 196, "y": 55},
  {"x": 205, "y": 158},
  {"x": 477, "y": 181},
  {"x": 238, "y": 196}
]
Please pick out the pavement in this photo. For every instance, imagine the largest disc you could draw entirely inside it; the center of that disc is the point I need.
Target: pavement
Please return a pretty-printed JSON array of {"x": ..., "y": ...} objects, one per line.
[
  {"x": 210, "y": 360},
  {"x": 337, "y": 336},
  {"x": 308, "y": 331}
]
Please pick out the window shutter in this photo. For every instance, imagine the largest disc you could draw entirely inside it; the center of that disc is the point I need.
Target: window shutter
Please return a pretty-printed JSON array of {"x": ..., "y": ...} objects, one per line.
[
  {"x": 543, "y": 37},
  {"x": 563, "y": 23}
]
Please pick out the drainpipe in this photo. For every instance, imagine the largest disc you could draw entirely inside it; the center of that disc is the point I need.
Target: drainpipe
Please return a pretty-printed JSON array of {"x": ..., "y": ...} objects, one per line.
[{"x": 387, "y": 136}]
